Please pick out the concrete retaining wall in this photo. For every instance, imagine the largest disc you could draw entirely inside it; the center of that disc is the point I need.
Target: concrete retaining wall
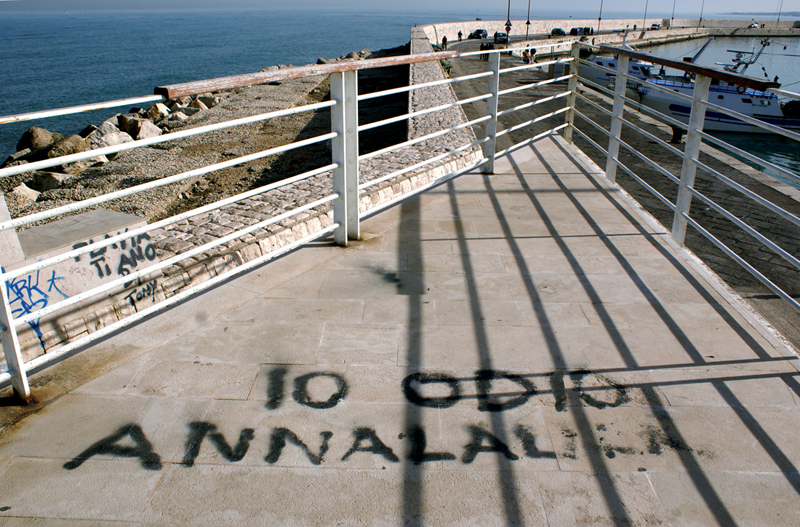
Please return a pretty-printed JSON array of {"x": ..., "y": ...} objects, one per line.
[{"x": 680, "y": 27}]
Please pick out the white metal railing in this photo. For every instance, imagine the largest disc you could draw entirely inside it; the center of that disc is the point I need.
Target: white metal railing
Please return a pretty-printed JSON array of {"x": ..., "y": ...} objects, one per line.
[
  {"x": 346, "y": 183},
  {"x": 343, "y": 173},
  {"x": 690, "y": 155}
]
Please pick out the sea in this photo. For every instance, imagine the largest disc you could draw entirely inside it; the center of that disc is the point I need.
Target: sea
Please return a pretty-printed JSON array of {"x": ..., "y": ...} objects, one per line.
[{"x": 57, "y": 59}]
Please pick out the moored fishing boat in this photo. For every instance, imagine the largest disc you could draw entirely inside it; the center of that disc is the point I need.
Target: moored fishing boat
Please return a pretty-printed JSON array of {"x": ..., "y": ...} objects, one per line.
[{"x": 656, "y": 91}]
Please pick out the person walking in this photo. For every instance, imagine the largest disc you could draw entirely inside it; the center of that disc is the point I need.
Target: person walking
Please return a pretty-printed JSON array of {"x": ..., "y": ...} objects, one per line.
[
  {"x": 459, "y": 36},
  {"x": 444, "y": 43}
]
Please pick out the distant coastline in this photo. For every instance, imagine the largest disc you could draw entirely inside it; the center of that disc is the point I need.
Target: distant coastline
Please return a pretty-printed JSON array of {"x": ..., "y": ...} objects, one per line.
[{"x": 773, "y": 13}]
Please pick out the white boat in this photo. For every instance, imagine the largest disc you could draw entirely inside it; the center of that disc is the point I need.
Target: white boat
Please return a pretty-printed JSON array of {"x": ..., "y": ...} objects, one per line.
[{"x": 760, "y": 105}]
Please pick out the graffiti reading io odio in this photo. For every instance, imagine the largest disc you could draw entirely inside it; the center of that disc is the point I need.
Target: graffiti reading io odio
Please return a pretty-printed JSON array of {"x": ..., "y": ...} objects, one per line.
[{"x": 494, "y": 391}]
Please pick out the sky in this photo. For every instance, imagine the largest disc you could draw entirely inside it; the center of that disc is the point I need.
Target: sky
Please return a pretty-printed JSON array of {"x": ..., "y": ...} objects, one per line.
[{"x": 518, "y": 7}]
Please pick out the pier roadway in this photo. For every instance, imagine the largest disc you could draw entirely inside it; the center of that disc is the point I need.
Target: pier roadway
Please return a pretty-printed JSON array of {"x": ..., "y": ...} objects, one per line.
[
  {"x": 516, "y": 349},
  {"x": 769, "y": 305}
]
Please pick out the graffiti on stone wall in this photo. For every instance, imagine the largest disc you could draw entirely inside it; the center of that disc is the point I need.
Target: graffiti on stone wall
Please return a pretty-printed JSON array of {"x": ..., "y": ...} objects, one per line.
[
  {"x": 121, "y": 258},
  {"x": 29, "y": 293},
  {"x": 32, "y": 292},
  {"x": 141, "y": 293}
]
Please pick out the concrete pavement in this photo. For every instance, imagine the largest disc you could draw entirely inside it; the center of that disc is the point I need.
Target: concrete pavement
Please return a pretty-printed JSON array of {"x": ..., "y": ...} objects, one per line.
[{"x": 515, "y": 349}]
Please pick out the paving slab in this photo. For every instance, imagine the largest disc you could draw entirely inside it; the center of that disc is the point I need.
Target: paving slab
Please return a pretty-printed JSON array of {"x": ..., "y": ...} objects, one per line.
[{"x": 521, "y": 348}]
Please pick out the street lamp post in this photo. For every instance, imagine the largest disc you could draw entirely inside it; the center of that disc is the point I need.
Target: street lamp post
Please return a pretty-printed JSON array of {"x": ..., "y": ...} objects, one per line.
[
  {"x": 599, "y": 17},
  {"x": 508, "y": 24},
  {"x": 702, "y": 5},
  {"x": 672, "y": 20},
  {"x": 528, "y": 23}
]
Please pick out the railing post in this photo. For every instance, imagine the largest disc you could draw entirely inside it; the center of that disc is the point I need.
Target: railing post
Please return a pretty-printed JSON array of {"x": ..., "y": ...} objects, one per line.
[
  {"x": 8, "y": 337},
  {"x": 691, "y": 150},
  {"x": 616, "y": 119},
  {"x": 572, "y": 86},
  {"x": 491, "y": 110},
  {"x": 344, "y": 152}
]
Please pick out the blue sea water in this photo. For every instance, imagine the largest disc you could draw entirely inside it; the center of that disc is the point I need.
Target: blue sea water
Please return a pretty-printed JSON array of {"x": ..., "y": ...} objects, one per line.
[{"x": 52, "y": 60}]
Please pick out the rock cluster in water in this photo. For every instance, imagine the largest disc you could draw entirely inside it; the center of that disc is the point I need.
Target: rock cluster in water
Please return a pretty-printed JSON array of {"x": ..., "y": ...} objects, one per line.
[{"x": 38, "y": 144}]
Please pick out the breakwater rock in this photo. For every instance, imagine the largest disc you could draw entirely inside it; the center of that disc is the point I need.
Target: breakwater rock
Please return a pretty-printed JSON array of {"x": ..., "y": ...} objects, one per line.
[{"x": 38, "y": 144}]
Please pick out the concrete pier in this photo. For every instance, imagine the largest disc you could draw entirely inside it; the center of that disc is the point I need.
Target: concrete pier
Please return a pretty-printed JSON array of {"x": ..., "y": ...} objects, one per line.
[{"x": 523, "y": 348}]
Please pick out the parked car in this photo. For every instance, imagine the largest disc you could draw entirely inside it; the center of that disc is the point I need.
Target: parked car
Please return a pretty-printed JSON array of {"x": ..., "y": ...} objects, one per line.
[
  {"x": 576, "y": 31},
  {"x": 753, "y": 26},
  {"x": 558, "y": 32},
  {"x": 500, "y": 37},
  {"x": 655, "y": 27},
  {"x": 588, "y": 31},
  {"x": 478, "y": 34}
]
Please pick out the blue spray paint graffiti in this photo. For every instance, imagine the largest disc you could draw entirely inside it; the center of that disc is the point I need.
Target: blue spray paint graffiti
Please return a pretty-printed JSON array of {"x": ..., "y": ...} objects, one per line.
[{"x": 25, "y": 295}]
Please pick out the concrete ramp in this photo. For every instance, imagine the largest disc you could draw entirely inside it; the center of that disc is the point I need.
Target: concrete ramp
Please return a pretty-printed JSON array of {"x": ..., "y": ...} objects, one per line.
[{"x": 516, "y": 349}]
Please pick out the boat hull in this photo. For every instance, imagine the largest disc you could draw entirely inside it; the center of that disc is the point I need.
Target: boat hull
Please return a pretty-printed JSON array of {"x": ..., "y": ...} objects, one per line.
[{"x": 758, "y": 105}]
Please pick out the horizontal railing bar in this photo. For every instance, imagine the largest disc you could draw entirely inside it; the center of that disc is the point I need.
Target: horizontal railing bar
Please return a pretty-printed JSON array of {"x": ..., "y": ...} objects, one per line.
[
  {"x": 746, "y": 228},
  {"x": 586, "y": 62},
  {"x": 596, "y": 87},
  {"x": 530, "y": 122},
  {"x": 747, "y": 155},
  {"x": 665, "y": 89},
  {"x": 588, "y": 120},
  {"x": 534, "y": 103},
  {"x": 250, "y": 79},
  {"x": 87, "y": 154},
  {"x": 634, "y": 104},
  {"x": 414, "y": 141},
  {"x": 644, "y": 183},
  {"x": 551, "y": 47},
  {"x": 533, "y": 65},
  {"x": 630, "y": 78},
  {"x": 78, "y": 109},
  {"x": 751, "y": 120},
  {"x": 166, "y": 263},
  {"x": 595, "y": 105},
  {"x": 422, "y": 164},
  {"x": 590, "y": 140},
  {"x": 41, "y": 264},
  {"x": 738, "y": 259},
  {"x": 784, "y": 93},
  {"x": 51, "y": 356},
  {"x": 652, "y": 137},
  {"x": 161, "y": 182},
  {"x": 749, "y": 193},
  {"x": 423, "y": 188},
  {"x": 534, "y": 85},
  {"x": 376, "y": 124},
  {"x": 402, "y": 89},
  {"x": 731, "y": 78},
  {"x": 650, "y": 162},
  {"x": 531, "y": 140},
  {"x": 666, "y": 119}
]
